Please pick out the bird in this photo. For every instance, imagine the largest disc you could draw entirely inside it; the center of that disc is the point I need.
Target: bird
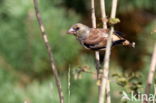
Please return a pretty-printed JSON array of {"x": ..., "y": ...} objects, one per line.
[{"x": 96, "y": 38}]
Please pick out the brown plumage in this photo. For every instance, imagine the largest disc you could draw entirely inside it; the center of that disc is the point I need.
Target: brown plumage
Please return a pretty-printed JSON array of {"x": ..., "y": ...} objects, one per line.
[{"x": 96, "y": 39}]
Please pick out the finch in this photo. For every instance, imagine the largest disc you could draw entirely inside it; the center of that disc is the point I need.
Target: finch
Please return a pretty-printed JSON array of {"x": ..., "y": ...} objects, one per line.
[{"x": 96, "y": 38}]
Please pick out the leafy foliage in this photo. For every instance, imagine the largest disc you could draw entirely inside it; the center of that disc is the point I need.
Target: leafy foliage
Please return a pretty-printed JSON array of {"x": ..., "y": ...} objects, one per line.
[{"x": 20, "y": 40}]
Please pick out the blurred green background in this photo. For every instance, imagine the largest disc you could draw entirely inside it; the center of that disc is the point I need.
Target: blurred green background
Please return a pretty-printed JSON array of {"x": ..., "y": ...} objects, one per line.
[{"x": 25, "y": 74}]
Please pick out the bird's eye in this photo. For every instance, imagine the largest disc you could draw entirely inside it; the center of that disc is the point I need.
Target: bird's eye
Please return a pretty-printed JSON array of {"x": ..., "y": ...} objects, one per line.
[{"x": 77, "y": 28}]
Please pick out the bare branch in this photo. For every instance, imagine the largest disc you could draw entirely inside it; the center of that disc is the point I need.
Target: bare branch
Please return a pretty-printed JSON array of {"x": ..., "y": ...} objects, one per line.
[
  {"x": 103, "y": 13},
  {"x": 154, "y": 89},
  {"x": 108, "y": 97},
  {"x": 97, "y": 56},
  {"x": 49, "y": 49},
  {"x": 151, "y": 73},
  {"x": 93, "y": 14},
  {"x": 107, "y": 56},
  {"x": 69, "y": 85}
]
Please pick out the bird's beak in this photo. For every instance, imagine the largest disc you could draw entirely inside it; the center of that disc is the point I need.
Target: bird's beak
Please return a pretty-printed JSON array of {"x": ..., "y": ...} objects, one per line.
[{"x": 71, "y": 31}]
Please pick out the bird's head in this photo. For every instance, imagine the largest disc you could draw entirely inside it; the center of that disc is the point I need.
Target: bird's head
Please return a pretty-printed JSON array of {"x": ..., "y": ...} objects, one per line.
[{"x": 79, "y": 30}]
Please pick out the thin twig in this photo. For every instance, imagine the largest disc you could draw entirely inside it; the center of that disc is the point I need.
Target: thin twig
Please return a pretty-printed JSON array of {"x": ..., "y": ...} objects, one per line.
[
  {"x": 107, "y": 55},
  {"x": 108, "y": 97},
  {"x": 49, "y": 49},
  {"x": 97, "y": 56},
  {"x": 104, "y": 21},
  {"x": 151, "y": 74},
  {"x": 103, "y": 13},
  {"x": 69, "y": 93},
  {"x": 93, "y": 14},
  {"x": 154, "y": 89}
]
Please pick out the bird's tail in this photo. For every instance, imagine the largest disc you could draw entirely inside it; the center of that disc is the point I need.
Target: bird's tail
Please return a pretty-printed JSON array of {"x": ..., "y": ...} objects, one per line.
[{"x": 128, "y": 43}]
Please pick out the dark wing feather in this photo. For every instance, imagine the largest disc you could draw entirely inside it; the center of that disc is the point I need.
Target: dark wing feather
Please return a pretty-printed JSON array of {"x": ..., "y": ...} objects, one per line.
[{"x": 119, "y": 33}]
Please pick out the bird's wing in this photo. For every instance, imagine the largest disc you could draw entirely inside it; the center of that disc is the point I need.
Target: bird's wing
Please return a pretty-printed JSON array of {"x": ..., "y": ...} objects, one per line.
[
  {"x": 97, "y": 39},
  {"x": 96, "y": 36}
]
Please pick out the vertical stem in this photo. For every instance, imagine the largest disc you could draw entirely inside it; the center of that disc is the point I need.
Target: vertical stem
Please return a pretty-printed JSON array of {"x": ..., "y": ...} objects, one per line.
[
  {"x": 69, "y": 93},
  {"x": 151, "y": 74},
  {"x": 108, "y": 97},
  {"x": 93, "y": 14},
  {"x": 107, "y": 56},
  {"x": 154, "y": 89},
  {"x": 49, "y": 49},
  {"x": 104, "y": 17},
  {"x": 97, "y": 56},
  {"x": 103, "y": 13}
]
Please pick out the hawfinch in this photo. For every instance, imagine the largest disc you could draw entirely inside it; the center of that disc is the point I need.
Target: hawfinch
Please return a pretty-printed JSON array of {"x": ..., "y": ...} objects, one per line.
[{"x": 96, "y": 38}]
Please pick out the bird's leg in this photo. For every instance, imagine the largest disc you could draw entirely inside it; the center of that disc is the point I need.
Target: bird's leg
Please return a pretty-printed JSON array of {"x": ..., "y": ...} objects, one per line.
[{"x": 98, "y": 67}]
